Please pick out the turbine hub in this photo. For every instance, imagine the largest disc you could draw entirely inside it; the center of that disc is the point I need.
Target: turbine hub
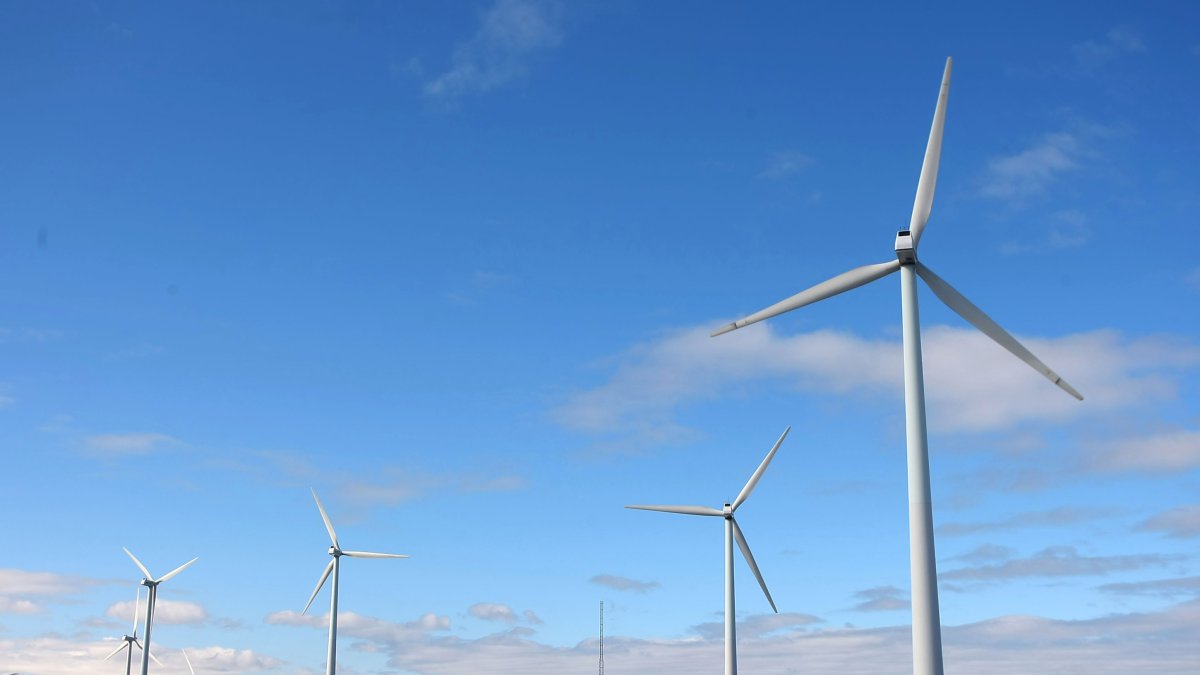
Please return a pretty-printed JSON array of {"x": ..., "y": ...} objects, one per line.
[
  {"x": 727, "y": 512},
  {"x": 335, "y": 552},
  {"x": 905, "y": 251}
]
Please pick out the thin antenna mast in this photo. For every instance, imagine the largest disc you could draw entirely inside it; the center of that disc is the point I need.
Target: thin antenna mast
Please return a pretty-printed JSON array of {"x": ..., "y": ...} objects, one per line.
[{"x": 601, "y": 637}]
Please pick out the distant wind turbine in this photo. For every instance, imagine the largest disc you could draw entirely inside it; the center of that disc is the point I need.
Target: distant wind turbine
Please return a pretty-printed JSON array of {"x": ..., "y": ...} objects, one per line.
[
  {"x": 130, "y": 641},
  {"x": 732, "y": 532},
  {"x": 151, "y": 585},
  {"x": 334, "y": 566},
  {"x": 926, "y": 628}
]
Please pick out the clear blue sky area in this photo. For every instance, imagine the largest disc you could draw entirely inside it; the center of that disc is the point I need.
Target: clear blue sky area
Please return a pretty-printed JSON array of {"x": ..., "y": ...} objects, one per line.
[{"x": 455, "y": 266}]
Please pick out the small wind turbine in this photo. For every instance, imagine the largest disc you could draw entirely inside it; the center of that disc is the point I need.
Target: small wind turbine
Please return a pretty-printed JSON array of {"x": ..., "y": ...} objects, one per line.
[
  {"x": 151, "y": 585},
  {"x": 926, "y": 628},
  {"x": 334, "y": 565},
  {"x": 130, "y": 641},
  {"x": 732, "y": 532}
]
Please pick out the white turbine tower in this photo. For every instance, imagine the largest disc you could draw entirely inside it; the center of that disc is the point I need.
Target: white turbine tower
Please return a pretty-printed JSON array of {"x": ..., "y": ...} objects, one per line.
[
  {"x": 334, "y": 566},
  {"x": 151, "y": 585},
  {"x": 926, "y": 628},
  {"x": 732, "y": 532},
  {"x": 131, "y": 641}
]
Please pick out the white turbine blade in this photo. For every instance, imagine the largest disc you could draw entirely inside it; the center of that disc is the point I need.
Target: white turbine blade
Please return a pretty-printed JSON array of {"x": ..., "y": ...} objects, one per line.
[
  {"x": 117, "y": 650},
  {"x": 759, "y": 471},
  {"x": 189, "y": 661},
  {"x": 325, "y": 517},
  {"x": 138, "y": 563},
  {"x": 923, "y": 204},
  {"x": 155, "y": 658},
  {"x": 839, "y": 284},
  {"x": 967, "y": 310},
  {"x": 324, "y": 576},
  {"x": 365, "y": 554},
  {"x": 177, "y": 570},
  {"x": 741, "y": 542},
  {"x": 686, "y": 510},
  {"x": 137, "y": 605}
]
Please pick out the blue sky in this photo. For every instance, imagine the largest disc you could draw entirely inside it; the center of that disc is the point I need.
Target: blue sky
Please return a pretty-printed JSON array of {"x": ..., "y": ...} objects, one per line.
[{"x": 454, "y": 266}]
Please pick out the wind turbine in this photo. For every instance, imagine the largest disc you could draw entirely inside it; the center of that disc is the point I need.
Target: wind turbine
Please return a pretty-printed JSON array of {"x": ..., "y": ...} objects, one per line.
[
  {"x": 926, "y": 628},
  {"x": 732, "y": 532},
  {"x": 334, "y": 566},
  {"x": 151, "y": 585},
  {"x": 129, "y": 641}
]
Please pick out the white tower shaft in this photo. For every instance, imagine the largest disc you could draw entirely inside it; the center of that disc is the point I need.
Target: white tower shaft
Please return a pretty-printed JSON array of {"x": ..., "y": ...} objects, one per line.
[
  {"x": 331, "y": 663},
  {"x": 926, "y": 619},
  {"x": 150, "y": 597},
  {"x": 730, "y": 616}
]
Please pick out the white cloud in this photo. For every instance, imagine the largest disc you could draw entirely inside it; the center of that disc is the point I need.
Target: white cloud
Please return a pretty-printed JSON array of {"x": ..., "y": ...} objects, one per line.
[
  {"x": 1064, "y": 230},
  {"x": 17, "y": 586},
  {"x": 1160, "y": 642},
  {"x": 509, "y": 32},
  {"x": 396, "y": 487},
  {"x": 1162, "y": 588},
  {"x": 881, "y": 599},
  {"x": 1050, "y": 517},
  {"x": 18, "y": 606},
  {"x": 1181, "y": 522},
  {"x": 165, "y": 612},
  {"x": 784, "y": 163},
  {"x": 1031, "y": 171},
  {"x": 972, "y": 384},
  {"x": 1163, "y": 452},
  {"x": 618, "y": 583},
  {"x": 58, "y": 655},
  {"x": 491, "y": 611},
  {"x": 1093, "y": 54},
  {"x": 126, "y": 445},
  {"x": 1055, "y": 561}
]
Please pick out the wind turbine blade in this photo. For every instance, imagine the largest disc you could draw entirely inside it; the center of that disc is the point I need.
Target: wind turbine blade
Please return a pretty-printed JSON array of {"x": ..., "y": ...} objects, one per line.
[
  {"x": 117, "y": 650},
  {"x": 137, "y": 605},
  {"x": 741, "y": 542},
  {"x": 189, "y": 661},
  {"x": 923, "y": 204},
  {"x": 324, "y": 576},
  {"x": 686, "y": 510},
  {"x": 155, "y": 658},
  {"x": 138, "y": 563},
  {"x": 177, "y": 570},
  {"x": 365, "y": 554},
  {"x": 967, "y": 310},
  {"x": 745, "y": 493},
  {"x": 325, "y": 517},
  {"x": 839, "y": 284}
]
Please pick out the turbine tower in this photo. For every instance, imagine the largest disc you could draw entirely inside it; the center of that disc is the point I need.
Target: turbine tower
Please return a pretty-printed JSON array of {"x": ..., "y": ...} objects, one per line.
[
  {"x": 732, "y": 532},
  {"x": 926, "y": 628},
  {"x": 130, "y": 641},
  {"x": 334, "y": 566},
  {"x": 151, "y": 585}
]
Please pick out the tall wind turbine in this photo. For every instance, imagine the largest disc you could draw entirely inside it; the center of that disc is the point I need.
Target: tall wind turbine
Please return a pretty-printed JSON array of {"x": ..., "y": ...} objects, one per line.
[
  {"x": 151, "y": 585},
  {"x": 130, "y": 641},
  {"x": 926, "y": 628},
  {"x": 334, "y": 566},
  {"x": 732, "y": 531}
]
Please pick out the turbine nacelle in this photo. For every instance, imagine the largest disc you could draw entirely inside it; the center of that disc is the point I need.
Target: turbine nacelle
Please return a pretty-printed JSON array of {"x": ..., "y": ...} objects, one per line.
[
  {"x": 335, "y": 552},
  {"x": 727, "y": 512},
  {"x": 906, "y": 247}
]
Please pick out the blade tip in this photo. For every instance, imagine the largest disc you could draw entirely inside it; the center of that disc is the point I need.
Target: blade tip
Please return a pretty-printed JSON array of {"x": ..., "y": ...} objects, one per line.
[{"x": 728, "y": 328}]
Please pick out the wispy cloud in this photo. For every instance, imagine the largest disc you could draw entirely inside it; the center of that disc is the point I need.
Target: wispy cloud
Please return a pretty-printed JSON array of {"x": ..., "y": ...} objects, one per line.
[
  {"x": 619, "y": 583},
  {"x": 1158, "y": 453},
  {"x": 881, "y": 599},
  {"x": 1031, "y": 171},
  {"x": 18, "y": 587},
  {"x": 757, "y": 625},
  {"x": 126, "y": 445},
  {"x": 652, "y": 381},
  {"x": 784, "y": 163},
  {"x": 1161, "y": 588},
  {"x": 1092, "y": 55},
  {"x": 492, "y": 611},
  {"x": 1063, "y": 230},
  {"x": 1056, "y": 561},
  {"x": 1182, "y": 522},
  {"x": 510, "y": 31},
  {"x": 1051, "y": 518},
  {"x": 403, "y": 486}
]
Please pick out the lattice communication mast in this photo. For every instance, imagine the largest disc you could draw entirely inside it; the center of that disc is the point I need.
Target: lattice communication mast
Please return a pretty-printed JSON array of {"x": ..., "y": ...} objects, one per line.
[{"x": 601, "y": 637}]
